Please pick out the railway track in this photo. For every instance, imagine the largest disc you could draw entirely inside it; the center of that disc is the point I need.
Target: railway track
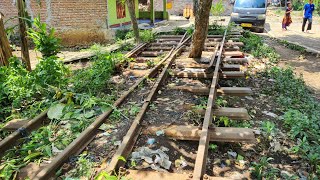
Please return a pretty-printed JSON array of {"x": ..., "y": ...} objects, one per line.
[
  {"x": 145, "y": 72},
  {"x": 221, "y": 59}
]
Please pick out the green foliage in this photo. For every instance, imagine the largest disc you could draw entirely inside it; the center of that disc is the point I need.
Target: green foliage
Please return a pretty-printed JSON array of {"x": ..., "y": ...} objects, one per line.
[
  {"x": 145, "y": 35},
  {"x": 213, "y": 147},
  {"x": 215, "y": 29},
  {"x": 44, "y": 41},
  {"x": 83, "y": 168},
  {"x": 301, "y": 115},
  {"x": 253, "y": 44},
  {"x": 292, "y": 46},
  {"x": 95, "y": 78},
  {"x": 179, "y": 31},
  {"x": 268, "y": 129},
  {"x": 217, "y": 8},
  {"x": 20, "y": 87},
  {"x": 61, "y": 131},
  {"x": 263, "y": 169},
  {"x": 122, "y": 33}
]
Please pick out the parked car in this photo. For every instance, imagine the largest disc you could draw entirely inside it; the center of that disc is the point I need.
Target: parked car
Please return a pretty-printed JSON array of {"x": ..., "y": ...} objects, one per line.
[{"x": 250, "y": 14}]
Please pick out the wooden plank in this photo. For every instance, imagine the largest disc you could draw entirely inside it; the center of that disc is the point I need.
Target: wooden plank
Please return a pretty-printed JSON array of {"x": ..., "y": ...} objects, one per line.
[
  {"x": 158, "y": 48},
  {"x": 223, "y": 91},
  {"x": 195, "y": 60},
  {"x": 234, "y": 91},
  {"x": 235, "y": 60},
  {"x": 147, "y": 175},
  {"x": 240, "y": 44},
  {"x": 233, "y": 53},
  {"x": 232, "y": 113},
  {"x": 165, "y": 44},
  {"x": 223, "y": 75},
  {"x": 192, "y": 133},
  {"x": 225, "y": 67},
  {"x": 150, "y": 54}
]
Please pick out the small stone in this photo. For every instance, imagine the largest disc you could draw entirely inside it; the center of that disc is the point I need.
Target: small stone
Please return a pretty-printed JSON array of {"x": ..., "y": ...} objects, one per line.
[
  {"x": 151, "y": 141},
  {"x": 228, "y": 162},
  {"x": 270, "y": 114},
  {"x": 233, "y": 154},
  {"x": 217, "y": 161},
  {"x": 249, "y": 98}
]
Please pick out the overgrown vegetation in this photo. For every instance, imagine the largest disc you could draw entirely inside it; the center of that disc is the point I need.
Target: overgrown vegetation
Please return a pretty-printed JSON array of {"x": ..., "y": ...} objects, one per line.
[
  {"x": 301, "y": 110},
  {"x": 253, "y": 44},
  {"x": 25, "y": 94},
  {"x": 44, "y": 41}
]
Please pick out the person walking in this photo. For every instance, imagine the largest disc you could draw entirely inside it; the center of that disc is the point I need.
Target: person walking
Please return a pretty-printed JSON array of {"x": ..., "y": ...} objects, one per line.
[
  {"x": 287, "y": 17},
  {"x": 307, "y": 15}
]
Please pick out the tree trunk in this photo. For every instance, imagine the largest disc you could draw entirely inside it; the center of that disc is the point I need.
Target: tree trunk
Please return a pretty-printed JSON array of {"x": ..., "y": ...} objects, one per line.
[
  {"x": 23, "y": 35},
  {"x": 201, "y": 28},
  {"x": 195, "y": 6},
  {"x": 133, "y": 20},
  {"x": 5, "y": 50}
]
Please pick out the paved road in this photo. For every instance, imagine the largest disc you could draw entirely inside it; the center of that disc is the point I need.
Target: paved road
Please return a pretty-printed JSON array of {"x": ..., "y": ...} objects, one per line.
[{"x": 294, "y": 33}]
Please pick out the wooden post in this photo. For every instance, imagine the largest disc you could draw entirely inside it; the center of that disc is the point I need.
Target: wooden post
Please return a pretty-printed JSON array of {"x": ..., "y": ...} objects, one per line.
[
  {"x": 152, "y": 18},
  {"x": 5, "y": 50},
  {"x": 165, "y": 10},
  {"x": 23, "y": 35}
]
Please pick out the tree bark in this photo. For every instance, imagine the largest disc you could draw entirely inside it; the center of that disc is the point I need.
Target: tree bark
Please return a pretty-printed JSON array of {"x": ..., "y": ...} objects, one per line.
[
  {"x": 23, "y": 35},
  {"x": 5, "y": 50},
  {"x": 201, "y": 28},
  {"x": 133, "y": 20},
  {"x": 195, "y": 6}
]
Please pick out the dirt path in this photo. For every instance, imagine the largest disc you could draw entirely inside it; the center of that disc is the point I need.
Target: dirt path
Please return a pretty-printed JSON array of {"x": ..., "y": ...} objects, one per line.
[{"x": 305, "y": 64}]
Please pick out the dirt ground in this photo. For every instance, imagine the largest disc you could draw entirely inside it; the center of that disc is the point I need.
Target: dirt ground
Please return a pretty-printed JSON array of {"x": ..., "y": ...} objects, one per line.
[
  {"x": 305, "y": 64},
  {"x": 294, "y": 32}
]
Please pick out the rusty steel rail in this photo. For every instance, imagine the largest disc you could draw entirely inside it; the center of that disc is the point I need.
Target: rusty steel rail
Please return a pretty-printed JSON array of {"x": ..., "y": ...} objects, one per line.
[
  {"x": 86, "y": 136},
  {"x": 130, "y": 138},
  {"x": 32, "y": 125},
  {"x": 201, "y": 160},
  {"x": 38, "y": 121}
]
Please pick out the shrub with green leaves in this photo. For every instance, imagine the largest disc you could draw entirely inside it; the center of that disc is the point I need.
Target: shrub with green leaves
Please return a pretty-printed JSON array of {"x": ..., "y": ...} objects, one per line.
[
  {"x": 44, "y": 40},
  {"x": 253, "y": 44},
  {"x": 19, "y": 88},
  {"x": 95, "y": 78},
  {"x": 301, "y": 114}
]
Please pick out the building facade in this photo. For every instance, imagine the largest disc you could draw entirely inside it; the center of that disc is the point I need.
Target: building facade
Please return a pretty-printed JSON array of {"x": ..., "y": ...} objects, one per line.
[{"x": 76, "y": 22}]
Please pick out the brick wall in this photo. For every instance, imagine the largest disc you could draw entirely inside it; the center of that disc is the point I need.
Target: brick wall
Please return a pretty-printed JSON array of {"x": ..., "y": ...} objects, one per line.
[
  {"x": 179, "y": 5},
  {"x": 76, "y": 21}
]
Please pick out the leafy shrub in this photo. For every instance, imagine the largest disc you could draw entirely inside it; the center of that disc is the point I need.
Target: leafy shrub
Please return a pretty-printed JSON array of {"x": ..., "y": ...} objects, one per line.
[
  {"x": 301, "y": 115},
  {"x": 145, "y": 35},
  {"x": 253, "y": 44},
  {"x": 20, "y": 87},
  {"x": 179, "y": 31},
  {"x": 95, "y": 78},
  {"x": 215, "y": 29},
  {"x": 44, "y": 41},
  {"x": 218, "y": 8},
  {"x": 122, "y": 33}
]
